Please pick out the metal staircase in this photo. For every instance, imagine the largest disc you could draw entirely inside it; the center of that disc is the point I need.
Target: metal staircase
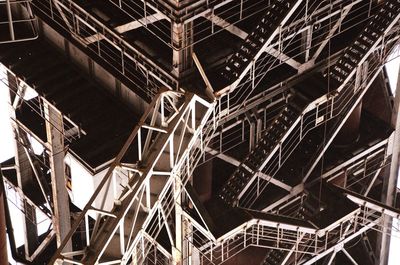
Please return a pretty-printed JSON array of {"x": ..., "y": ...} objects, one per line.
[
  {"x": 246, "y": 184},
  {"x": 380, "y": 23},
  {"x": 276, "y": 232},
  {"x": 256, "y": 161},
  {"x": 306, "y": 210},
  {"x": 240, "y": 63},
  {"x": 145, "y": 189},
  {"x": 342, "y": 71}
]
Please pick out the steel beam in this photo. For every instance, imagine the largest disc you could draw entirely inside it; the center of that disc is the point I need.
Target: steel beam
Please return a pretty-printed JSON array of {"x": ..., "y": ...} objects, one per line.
[
  {"x": 349, "y": 256},
  {"x": 227, "y": 158},
  {"x": 342, "y": 243},
  {"x": 128, "y": 27},
  {"x": 331, "y": 32},
  {"x": 172, "y": 146}
]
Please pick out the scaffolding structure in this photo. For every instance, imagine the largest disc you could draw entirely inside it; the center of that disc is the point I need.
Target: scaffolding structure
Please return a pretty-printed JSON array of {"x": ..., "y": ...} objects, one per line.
[{"x": 270, "y": 108}]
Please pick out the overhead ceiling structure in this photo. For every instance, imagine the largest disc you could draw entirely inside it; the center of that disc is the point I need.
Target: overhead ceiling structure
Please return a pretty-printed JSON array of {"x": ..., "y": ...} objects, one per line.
[{"x": 201, "y": 131}]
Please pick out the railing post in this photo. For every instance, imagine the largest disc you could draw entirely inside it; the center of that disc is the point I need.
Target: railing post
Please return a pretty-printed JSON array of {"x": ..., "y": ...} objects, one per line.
[{"x": 301, "y": 126}]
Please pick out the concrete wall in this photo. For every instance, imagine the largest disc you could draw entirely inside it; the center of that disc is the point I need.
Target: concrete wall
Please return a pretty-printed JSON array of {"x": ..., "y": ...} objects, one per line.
[{"x": 84, "y": 183}]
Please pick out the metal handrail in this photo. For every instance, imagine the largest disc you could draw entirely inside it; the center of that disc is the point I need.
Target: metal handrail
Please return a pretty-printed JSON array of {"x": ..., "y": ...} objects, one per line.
[
  {"x": 331, "y": 108},
  {"x": 30, "y": 21},
  {"x": 233, "y": 101},
  {"x": 81, "y": 25},
  {"x": 322, "y": 110},
  {"x": 37, "y": 104}
]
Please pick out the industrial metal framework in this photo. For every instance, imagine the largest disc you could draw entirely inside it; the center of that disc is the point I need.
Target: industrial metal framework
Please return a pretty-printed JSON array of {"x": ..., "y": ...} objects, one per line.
[{"x": 270, "y": 111}]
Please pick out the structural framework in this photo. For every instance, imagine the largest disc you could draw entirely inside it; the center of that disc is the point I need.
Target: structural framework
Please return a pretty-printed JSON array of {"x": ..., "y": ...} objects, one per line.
[{"x": 200, "y": 131}]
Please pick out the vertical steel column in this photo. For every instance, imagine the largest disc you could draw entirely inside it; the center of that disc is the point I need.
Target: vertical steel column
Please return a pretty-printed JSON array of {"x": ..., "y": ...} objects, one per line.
[
  {"x": 306, "y": 39},
  {"x": 10, "y": 20},
  {"x": 3, "y": 238},
  {"x": 178, "y": 248},
  {"x": 389, "y": 184},
  {"x": 182, "y": 39},
  {"x": 62, "y": 217}
]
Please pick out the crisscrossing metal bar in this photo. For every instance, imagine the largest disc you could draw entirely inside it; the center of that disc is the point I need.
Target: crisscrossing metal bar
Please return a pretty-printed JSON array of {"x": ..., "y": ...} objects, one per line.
[{"x": 17, "y": 22}]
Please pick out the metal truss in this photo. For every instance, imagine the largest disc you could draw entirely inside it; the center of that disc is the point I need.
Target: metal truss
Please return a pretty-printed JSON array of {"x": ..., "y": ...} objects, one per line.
[
  {"x": 142, "y": 192},
  {"x": 17, "y": 27},
  {"x": 168, "y": 142}
]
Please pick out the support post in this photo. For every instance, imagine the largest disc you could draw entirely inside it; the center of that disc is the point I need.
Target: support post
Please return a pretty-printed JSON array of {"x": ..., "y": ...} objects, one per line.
[
  {"x": 3, "y": 238},
  {"x": 182, "y": 39},
  {"x": 62, "y": 216},
  {"x": 178, "y": 248},
  {"x": 389, "y": 184}
]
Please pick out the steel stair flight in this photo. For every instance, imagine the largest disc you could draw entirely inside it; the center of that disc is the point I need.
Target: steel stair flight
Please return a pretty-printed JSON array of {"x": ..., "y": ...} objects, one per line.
[
  {"x": 291, "y": 126},
  {"x": 240, "y": 63}
]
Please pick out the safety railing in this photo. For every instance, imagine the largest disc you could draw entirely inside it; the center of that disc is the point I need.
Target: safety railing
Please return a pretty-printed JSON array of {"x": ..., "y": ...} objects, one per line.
[
  {"x": 361, "y": 171},
  {"x": 247, "y": 91},
  {"x": 149, "y": 251},
  {"x": 313, "y": 243},
  {"x": 373, "y": 66},
  {"x": 149, "y": 13},
  {"x": 316, "y": 113},
  {"x": 22, "y": 93},
  {"x": 289, "y": 203},
  {"x": 17, "y": 27},
  {"x": 179, "y": 12},
  {"x": 234, "y": 132},
  {"x": 108, "y": 46}
]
